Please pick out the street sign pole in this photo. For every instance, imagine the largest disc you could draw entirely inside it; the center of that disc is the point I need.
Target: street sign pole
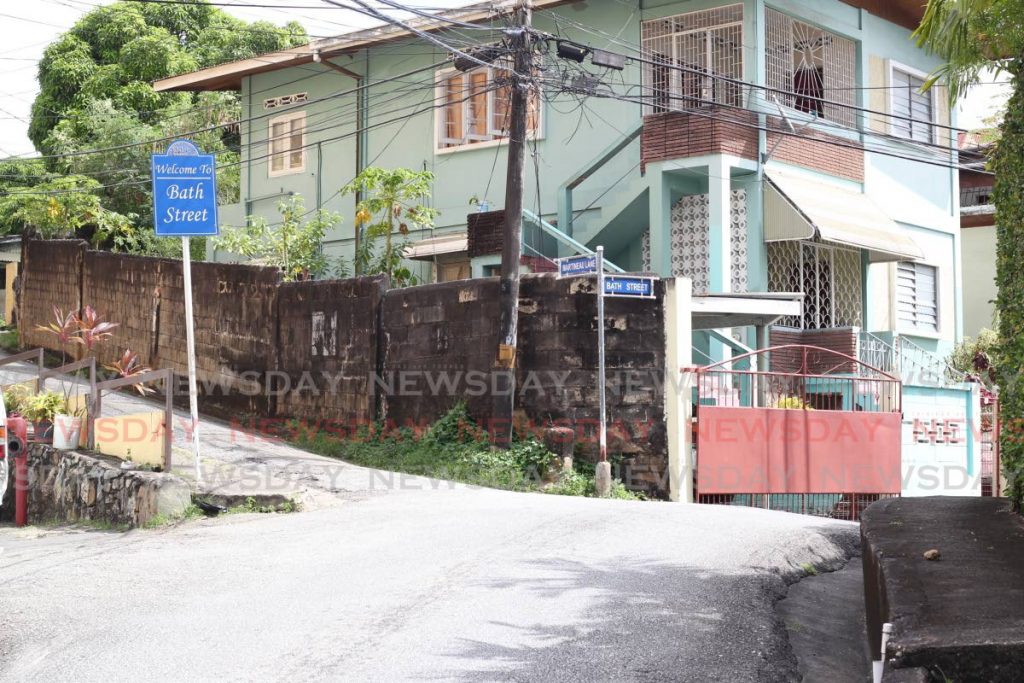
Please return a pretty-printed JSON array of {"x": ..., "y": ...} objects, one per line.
[
  {"x": 603, "y": 471},
  {"x": 185, "y": 205},
  {"x": 603, "y": 436},
  {"x": 190, "y": 345}
]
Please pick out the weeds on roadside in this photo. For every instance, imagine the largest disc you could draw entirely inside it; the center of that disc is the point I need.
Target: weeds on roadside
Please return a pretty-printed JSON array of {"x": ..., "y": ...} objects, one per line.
[{"x": 455, "y": 448}]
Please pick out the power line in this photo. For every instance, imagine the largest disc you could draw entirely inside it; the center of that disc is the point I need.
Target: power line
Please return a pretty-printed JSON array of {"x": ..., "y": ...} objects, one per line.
[{"x": 735, "y": 81}]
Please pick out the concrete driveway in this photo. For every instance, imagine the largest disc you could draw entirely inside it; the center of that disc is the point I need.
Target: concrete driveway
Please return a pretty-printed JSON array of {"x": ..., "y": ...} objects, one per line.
[{"x": 406, "y": 584}]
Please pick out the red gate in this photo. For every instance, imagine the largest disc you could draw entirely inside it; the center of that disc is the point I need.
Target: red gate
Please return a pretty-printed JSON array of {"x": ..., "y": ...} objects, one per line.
[{"x": 815, "y": 432}]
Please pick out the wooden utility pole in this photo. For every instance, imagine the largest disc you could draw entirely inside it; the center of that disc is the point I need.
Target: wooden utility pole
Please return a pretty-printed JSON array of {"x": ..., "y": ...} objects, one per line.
[{"x": 522, "y": 48}]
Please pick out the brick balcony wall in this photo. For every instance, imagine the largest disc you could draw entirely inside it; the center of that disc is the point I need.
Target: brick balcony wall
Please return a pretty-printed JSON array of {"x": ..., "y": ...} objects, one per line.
[{"x": 680, "y": 135}]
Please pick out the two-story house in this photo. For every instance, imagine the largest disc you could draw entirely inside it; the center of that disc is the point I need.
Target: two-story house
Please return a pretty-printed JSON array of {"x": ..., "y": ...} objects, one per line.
[{"x": 752, "y": 146}]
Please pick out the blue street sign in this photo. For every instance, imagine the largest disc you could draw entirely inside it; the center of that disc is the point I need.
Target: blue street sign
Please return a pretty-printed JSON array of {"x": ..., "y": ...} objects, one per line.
[
  {"x": 184, "y": 192},
  {"x": 629, "y": 285},
  {"x": 571, "y": 266}
]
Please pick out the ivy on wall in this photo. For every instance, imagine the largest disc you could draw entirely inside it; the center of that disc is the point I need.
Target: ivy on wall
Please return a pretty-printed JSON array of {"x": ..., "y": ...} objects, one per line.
[{"x": 1007, "y": 163}]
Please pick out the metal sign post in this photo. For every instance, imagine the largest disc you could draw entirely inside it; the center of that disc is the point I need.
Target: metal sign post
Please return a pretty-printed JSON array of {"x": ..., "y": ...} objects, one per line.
[
  {"x": 185, "y": 205},
  {"x": 603, "y": 436}
]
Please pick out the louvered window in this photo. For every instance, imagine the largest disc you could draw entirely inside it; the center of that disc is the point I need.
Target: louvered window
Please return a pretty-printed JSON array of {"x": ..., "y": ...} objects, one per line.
[
  {"x": 913, "y": 110},
  {"x": 476, "y": 107},
  {"x": 917, "y": 299}
]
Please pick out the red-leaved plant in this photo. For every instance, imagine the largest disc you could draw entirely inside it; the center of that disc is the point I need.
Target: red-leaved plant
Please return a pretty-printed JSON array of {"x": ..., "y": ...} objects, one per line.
[{"x": 129, "y": 366}]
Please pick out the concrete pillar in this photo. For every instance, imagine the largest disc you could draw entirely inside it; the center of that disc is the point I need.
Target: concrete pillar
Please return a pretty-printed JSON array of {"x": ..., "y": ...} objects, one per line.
[
  {"x": 719, "y": 225},
  {"x": 660, "y": 220},
  {"x": 720, "y": 239},
  {"x": 678, "y": 403}
]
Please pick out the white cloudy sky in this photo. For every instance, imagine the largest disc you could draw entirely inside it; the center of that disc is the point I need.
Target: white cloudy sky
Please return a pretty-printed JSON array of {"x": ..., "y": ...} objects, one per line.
[{"x": 28, "y": 26}]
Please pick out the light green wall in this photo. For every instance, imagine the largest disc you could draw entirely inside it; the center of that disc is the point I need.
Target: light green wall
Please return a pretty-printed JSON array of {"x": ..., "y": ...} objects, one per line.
[
  {"x": 571, "y": 136},
  {"x": 979, "y": 259}
]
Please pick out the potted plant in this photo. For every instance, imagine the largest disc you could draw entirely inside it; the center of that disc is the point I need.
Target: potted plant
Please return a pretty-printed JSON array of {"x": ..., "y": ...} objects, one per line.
[
  {"x": 40, "y": 410},
  {"x": 15, "y": 397}
]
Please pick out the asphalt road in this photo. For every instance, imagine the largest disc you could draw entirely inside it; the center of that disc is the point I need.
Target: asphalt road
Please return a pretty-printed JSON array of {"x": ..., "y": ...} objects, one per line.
[{"x": 409, "y": 584}]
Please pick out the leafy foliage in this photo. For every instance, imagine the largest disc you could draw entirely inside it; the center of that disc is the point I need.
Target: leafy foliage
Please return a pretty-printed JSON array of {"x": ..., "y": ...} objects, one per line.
[
  {"x": 391, "y": 200},
  {"x": 128, "y": 365},
  {"x": 976, "y": 356},
  {"x": 455, "y": 449},
  {"x": 293, "y": 245},
  {"x": 971, "y": 36},
  {"x": 95, "y": 93}
]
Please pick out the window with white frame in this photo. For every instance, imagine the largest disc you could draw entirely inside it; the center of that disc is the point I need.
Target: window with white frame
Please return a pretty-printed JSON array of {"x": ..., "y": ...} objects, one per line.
[
  {"x": 917, "y": 297},
  {"x": 810, "y": 69},
  {"x": 913, "y": 111},
  {"x": 693, "y": 60},
  {"x": 476, "y": 107},
  {"x": 287, "y": 141}
]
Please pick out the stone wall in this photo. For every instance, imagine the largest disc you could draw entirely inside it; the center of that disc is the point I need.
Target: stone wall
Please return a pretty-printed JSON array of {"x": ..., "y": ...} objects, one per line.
[{"x": 71, "y": 487}]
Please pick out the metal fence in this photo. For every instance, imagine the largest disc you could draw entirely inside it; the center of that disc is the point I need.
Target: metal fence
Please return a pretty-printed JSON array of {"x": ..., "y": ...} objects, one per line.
[
  {"x": 991, "y": 475},
  {"x": 831, "y": 386},
  {"x": 848, "y": 506}
]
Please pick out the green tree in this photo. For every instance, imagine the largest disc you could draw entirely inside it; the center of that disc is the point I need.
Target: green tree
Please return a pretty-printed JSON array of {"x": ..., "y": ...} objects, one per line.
[
  {"x": 391, "y": 201},
  {"x": 95, "y": 93},
  {"x": 972, "y": 36},
  {"x": 59, "y": 207},
  {"x": 293, "y": 244}
]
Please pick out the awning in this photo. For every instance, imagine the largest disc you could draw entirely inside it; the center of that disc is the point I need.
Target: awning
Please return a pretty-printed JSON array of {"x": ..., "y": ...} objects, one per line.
[
  {"x": 451, "y": 243},
  {"x": 798, "y": 208},
  {"x": 718, "y": 311}
]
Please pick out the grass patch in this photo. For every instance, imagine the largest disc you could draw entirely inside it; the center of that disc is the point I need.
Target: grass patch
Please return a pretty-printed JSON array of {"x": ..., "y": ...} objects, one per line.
[
  {"x": 455, "y": 449},
  {"x": 189, "y": 513},
  {"x": 9, "y": 340},
  {"x": 251, "y": 505},
  {"x": 809, "y": 569}
]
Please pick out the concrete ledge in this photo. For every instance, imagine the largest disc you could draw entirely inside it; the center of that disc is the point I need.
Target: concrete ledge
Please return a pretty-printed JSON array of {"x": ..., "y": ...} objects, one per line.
[
  {"x": 68, "y": 486},
  {"x": 959, "y": 617}
]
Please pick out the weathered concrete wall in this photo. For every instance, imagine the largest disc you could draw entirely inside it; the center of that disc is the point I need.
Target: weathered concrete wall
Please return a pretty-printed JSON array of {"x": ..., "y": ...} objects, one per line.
[
  {"x": 352, "y": 351},
  {"x": 440, "y": 343},
  {"x": 558, "y": 371},
  {"x": 70, "y": 487},
  {"x": 328, "y": 349},
  {"x": 51, "y": 276},
  {"x": 438, "y": 348}
]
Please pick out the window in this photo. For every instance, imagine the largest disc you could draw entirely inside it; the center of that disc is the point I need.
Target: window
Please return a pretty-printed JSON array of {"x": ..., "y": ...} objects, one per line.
[
  {"x": 810, "y": 69},
  {"x": 698, "y": 59},
  {"x": 477, "y": 107},
  {"x": 287, "y": 144},
  {"x": 917, "y": 297},
  {"x": 913, "y": 110},
  {"x": 450, "y": 269}
]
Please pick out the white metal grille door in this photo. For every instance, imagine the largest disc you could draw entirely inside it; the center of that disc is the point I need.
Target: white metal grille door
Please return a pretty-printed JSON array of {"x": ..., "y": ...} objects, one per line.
[
  {"x": 829, "y": 277},
  {"x": 699, "y": 59},
  {"x": 811, "y": 70}
]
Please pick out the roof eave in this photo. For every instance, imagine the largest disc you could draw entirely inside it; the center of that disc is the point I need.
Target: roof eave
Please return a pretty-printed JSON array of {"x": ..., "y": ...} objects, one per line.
[{"x": 229, "y": 76}]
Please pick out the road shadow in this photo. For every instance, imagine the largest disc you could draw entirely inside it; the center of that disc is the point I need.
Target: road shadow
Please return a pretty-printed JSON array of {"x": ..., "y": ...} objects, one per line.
[{"x": 642, "y": 621}]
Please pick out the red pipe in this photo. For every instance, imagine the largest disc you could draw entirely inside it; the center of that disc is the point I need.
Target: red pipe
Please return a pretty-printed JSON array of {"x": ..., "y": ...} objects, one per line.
[{"x": 17, "y": 433}]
